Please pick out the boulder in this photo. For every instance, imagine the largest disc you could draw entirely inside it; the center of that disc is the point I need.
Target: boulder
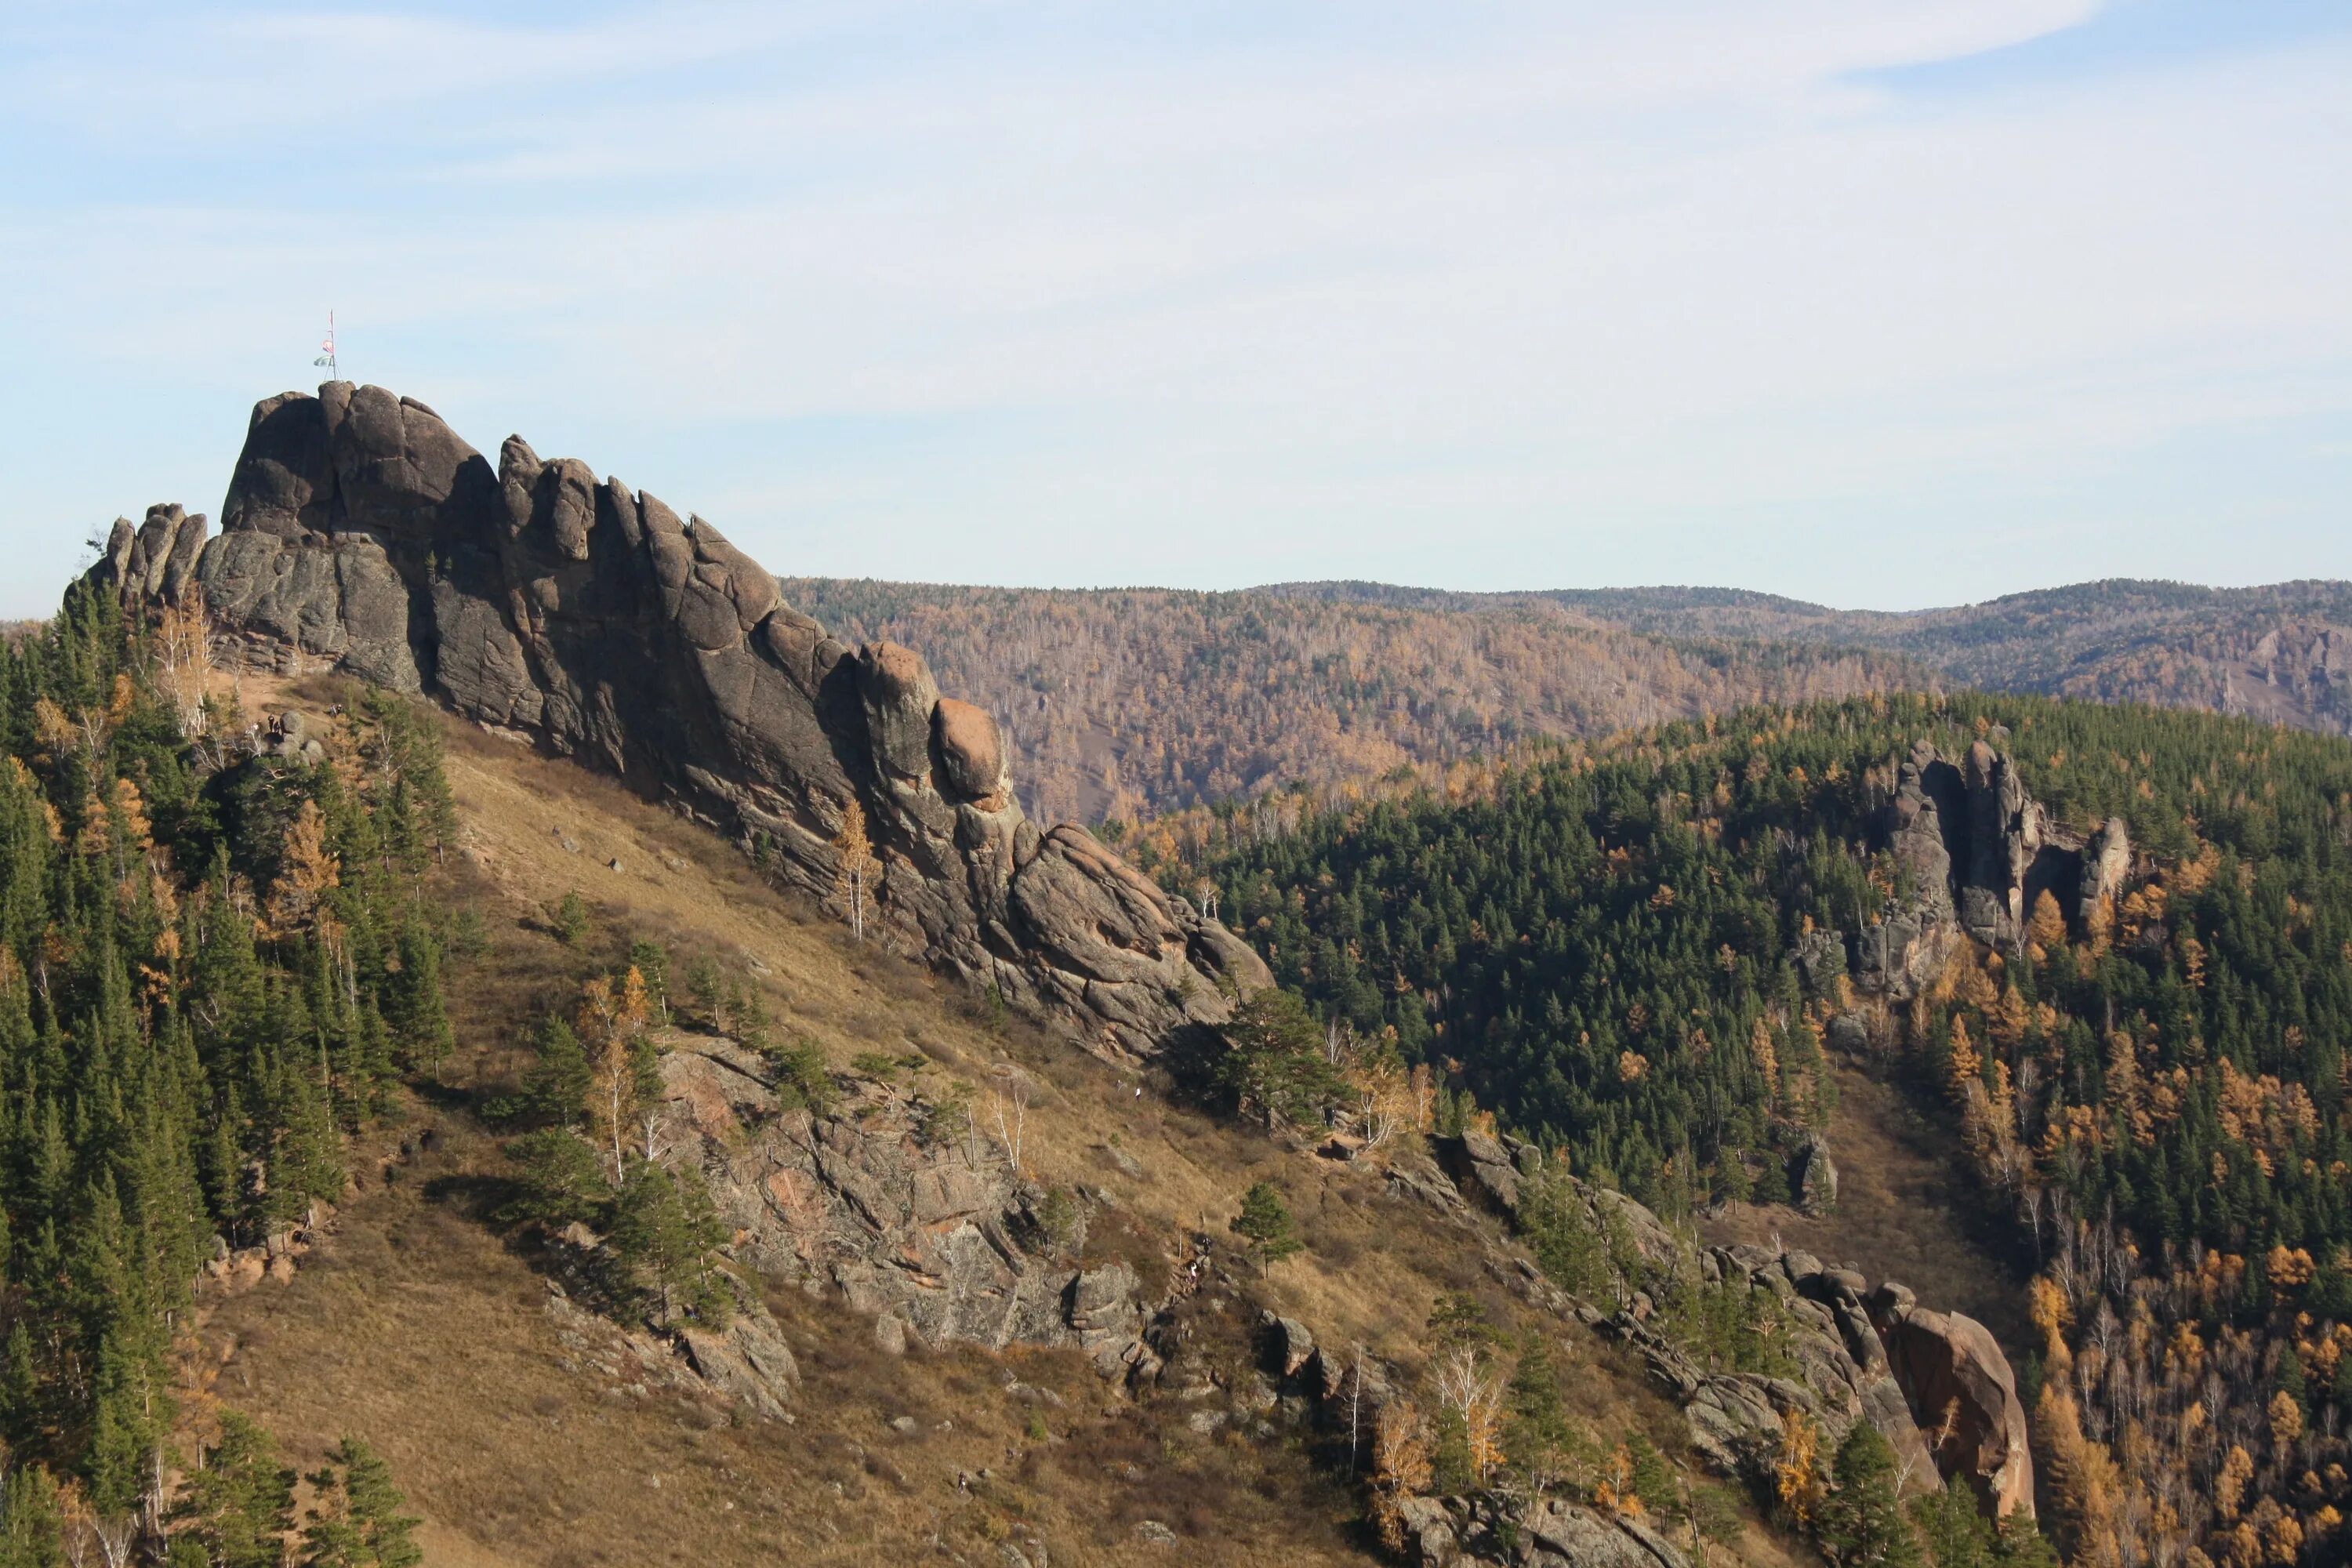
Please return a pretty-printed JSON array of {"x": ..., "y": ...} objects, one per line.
[
  {"x": 1567, "y": 1536},
  {"x": 971, "y": 751},
  {"x": 1821, "y": 959},
  {"x": 2107, "y": 862},
  {"x": 361, "y": 531},
  {"x": 1817, "y": 1176},
  {"x": 1483, "y": 1169},
  {"x": 747, "y": 1361},
  {"x": 1958, "y": 1386},
  {"x": 935, "y": 1239},
  {"x": 1429, "y": 1532},
  {"x": 1289, "y": 1346}
]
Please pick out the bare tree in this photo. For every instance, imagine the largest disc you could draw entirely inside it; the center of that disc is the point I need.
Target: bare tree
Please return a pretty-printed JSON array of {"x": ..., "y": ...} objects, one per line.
[
  {"x": 1009, "y": 1090},
  {"x": 853, "y": 882}
]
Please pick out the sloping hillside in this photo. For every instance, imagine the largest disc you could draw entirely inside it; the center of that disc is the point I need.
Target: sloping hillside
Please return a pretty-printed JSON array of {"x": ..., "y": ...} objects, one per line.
[
  {"x": 2113, "y": 941},
  {"x": 527, "y": 1431},
  {"x": 2281, "y": 652},
  {"x": 1124, "y": 703},
  {"x": 1129, "y": 702}
]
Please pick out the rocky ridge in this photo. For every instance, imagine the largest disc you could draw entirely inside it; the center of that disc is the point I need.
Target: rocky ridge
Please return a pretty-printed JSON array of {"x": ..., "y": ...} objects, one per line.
[
  {"x": 1864, "y": 1354},
  {"x": 894, "y": 1205},
  {"x": 360, "y": 532}
]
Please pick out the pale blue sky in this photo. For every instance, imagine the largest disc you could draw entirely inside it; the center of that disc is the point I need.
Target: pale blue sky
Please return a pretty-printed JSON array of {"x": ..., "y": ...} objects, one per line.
[{"x": 1883, "y": 302}]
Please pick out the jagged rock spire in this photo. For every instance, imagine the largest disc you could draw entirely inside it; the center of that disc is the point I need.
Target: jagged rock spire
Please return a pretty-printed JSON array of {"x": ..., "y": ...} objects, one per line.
[{"x": 537, "y": 599}]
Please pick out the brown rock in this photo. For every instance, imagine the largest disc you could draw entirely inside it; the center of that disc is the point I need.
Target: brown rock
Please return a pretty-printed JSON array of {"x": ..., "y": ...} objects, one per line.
[
  {"x": 971, "y": 751},
  {"x": 1948, "y": 1364}
]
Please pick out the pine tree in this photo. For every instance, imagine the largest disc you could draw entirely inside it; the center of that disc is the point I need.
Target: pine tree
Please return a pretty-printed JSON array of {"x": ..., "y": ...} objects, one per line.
[
  {"x": 560, "y": 1179},
  {"x": 664, "y": 1226},
  {"x": 556, "y": 1086},
  {"x": 1862, "y": 1522},
  {"x": 32, "y": 1521},
  {"x": 1955, "y": 1532},
  {"x": 1537, "y": 1434},
  {"x": 357, "y": 1522},
  {"x": 236, "y": 1501},
  {"x": 414, "y": 1007},
  {"x": 1650, "y": 1479},
  {"x": 2019, "y": 1543},
  {"x": 1266, "y": 1227}
]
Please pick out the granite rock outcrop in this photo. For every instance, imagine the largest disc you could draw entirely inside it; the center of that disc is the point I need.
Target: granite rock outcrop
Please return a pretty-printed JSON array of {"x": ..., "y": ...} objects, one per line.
[
  {"x": 912, "y": 1220},
  {"x": 361, "y": 533}
]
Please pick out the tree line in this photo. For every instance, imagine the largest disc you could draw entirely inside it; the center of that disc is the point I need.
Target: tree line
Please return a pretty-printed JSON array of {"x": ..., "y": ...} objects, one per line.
[{"x": 217, "y": 959}]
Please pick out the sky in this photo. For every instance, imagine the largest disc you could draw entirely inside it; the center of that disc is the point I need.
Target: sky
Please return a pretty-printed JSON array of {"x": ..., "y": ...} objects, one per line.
[{"x": 1880, "y": 304}]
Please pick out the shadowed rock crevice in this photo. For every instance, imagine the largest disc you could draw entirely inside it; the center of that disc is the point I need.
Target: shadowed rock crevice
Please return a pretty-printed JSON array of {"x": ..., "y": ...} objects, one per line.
[{"x": 361, "y": 532}]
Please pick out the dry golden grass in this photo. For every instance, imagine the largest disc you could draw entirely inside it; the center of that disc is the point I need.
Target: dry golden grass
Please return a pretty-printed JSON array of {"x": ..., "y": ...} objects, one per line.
[{"x": 416, "y": 1328}]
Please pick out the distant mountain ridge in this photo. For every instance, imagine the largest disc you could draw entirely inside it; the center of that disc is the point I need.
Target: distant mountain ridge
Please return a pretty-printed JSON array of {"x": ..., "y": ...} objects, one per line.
[
  {"x": 1127, "y": 702},
  {"x": 2280, "y": 651},
  {"x": 1122, "y": 703}
]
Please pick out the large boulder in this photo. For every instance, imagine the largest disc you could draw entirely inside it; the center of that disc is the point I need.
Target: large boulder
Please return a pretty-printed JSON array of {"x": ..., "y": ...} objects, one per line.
[
  {"x": 361, "y": 532},
  {"x": 1960, "y": 1389},
  {"x": 1563, "y": 1535}
]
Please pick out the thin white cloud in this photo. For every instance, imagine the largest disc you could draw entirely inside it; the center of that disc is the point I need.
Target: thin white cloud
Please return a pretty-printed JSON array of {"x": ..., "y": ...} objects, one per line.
[{"x": 1554, "y": 281}]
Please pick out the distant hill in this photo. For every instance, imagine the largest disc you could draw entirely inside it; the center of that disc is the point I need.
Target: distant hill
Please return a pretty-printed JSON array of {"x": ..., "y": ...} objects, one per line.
[
  {"x": 1123, "y": 704},
  {"x": 2282, "y": 652},
  {"x": 1127, "y": 701}
]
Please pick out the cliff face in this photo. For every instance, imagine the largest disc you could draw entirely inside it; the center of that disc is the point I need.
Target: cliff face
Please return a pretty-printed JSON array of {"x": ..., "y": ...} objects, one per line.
[{"x": 537, "y": 600}]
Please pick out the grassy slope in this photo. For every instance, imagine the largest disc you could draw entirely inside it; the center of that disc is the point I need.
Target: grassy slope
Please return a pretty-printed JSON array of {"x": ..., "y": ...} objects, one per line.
[{"x": 417, "y": 1329}]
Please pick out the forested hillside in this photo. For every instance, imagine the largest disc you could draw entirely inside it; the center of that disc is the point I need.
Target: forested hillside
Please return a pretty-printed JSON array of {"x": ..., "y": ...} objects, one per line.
[
  {"x": 2283, "y": 651},
  {"x": 1127, "y": 702},
  {"x": 1625, "y": 949},
  {"x": 215, "y": 958},
  {"x": 1122, "y": 703}
]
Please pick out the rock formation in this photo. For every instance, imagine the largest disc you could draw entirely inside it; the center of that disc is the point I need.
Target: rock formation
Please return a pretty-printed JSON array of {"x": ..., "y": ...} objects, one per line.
[
  {"x": 1980, "y": 851},
  {"x": 927, "y": 1231},
  {"x": 1976, "y": 853},
  {"x": 1949, "y": 1363},
  {"x": 361, "y": 533},
  {"x": 1860, "y": 1354},
  {"x": 1934, "y": 1385}
]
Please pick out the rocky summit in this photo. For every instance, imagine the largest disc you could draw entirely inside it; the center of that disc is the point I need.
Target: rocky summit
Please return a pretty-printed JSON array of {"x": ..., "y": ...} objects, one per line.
[{"x": 361, "y": 532}]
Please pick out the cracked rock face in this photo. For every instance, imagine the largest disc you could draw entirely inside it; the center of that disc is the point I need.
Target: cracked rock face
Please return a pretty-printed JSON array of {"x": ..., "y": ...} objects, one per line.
[
  {"x": 361, "y": 532},
  {"x": 934, "y": 1237}
]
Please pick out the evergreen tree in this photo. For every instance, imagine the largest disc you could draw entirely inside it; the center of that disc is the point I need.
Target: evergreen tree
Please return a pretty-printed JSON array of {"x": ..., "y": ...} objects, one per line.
[
  {"x": 560, "y": 1180},
  {"x": 236, "y": 1501},
  {"x": 1955, "y": 1532},
  {"x": 1537, "y": 1433},
  {"x": 32, "y": 1523},
  {"x": 414, "y": 1008},
  {"x": 556, "y": 1085},
  {"x": 663, "y": 1226},
  {"x": 2019, "y": 1543},
  {"x": 1274, "y": 1063},
  {"x": 1266, "y": 1227},
  {"x": 1862, "y": 1522},
  {"x": 357, "y": 1521}
]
